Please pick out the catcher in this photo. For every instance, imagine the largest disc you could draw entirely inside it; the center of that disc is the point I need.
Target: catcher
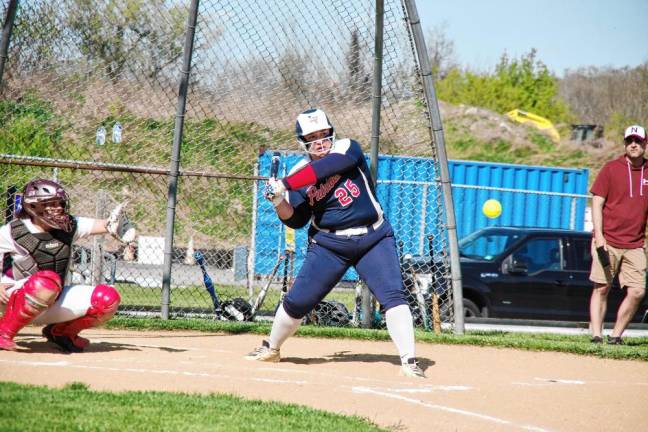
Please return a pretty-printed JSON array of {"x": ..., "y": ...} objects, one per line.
[{"x": 39, "y": 243}]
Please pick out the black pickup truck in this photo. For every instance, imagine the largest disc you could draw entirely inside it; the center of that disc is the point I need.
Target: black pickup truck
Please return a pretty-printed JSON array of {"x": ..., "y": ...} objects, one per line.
[{"x": 527, "y": 273}]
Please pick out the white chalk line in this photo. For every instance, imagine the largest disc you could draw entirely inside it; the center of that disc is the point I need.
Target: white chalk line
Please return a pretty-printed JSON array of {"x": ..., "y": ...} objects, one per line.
[
  {"x": 279, "y": 381},
  {"x": 426, "y": 389},
  {"x": 29, "y": 338},
  {"x": 68, "y": 364},
  {"x": 338, "y": 377},
  {"x": 175, "y": 347},
  {"x": 544, "y": 382},
  {"x": 65, "y": 363},
  {"x": 560, "y": 381},
  {"x": 367, "y": 390}
]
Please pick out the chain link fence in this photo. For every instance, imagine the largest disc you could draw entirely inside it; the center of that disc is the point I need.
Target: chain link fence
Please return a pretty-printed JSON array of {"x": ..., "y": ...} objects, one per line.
[{"x": 89, "y": 97}]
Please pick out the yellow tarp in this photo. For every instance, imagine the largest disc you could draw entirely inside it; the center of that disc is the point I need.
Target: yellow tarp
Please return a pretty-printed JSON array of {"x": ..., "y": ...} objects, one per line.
[{"x": 540, "y": 122}]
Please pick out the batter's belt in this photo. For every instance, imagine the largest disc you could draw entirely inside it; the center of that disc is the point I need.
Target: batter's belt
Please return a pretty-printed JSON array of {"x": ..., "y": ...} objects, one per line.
[{"x": 356, "y": 230}]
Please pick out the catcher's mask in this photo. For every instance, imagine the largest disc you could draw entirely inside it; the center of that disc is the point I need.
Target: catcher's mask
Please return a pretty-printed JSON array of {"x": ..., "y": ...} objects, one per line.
[
  {"x": 310, "y": 121},
  {"x": 237, "y": 309},
  {"x": 47, "y": 204},
  {"x": 329, "y": 313}
]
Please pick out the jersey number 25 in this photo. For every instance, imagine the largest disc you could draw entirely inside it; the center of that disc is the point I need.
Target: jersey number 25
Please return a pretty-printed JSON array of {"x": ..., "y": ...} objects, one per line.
[{"x": 346, "y": 194}]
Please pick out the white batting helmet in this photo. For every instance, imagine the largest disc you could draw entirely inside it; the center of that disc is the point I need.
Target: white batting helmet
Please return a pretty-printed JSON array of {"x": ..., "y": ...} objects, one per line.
[{"x": 310, "y": 121}]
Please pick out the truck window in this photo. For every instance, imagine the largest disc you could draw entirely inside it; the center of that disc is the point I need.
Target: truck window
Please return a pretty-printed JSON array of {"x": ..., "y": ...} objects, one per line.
[
  {"x": 540, "y": 254},
  {"x": 581, "y": 257}
]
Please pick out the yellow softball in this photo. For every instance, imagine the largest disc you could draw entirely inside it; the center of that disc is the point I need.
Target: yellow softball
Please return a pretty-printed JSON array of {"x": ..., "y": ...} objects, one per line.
[{"x": 492, "y": 208}]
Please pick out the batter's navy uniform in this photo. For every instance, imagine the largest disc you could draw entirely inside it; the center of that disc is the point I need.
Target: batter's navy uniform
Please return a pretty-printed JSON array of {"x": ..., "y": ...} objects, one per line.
[{"x": 347, "y": 228}]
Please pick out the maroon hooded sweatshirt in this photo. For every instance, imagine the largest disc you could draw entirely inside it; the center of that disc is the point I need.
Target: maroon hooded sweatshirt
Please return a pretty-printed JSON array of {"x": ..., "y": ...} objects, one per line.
[{"x": 625, "y": 189}]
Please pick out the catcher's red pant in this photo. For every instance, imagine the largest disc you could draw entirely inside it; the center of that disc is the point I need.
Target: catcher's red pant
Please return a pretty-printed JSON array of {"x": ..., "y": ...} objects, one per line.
[
  {"x": 77, "y": 308},
  {"x": 25, "y": 304},
  {"x": 103, "y": 305}
]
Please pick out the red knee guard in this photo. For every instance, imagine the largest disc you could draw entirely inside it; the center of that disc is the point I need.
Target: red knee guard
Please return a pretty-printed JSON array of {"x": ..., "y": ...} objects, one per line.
[
  {"x": 103, "y": 305},
  {"x": 26, "y": 303}
]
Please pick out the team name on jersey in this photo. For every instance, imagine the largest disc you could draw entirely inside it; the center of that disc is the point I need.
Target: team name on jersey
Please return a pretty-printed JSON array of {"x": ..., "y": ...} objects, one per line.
[{"x": 315, "y": 194}]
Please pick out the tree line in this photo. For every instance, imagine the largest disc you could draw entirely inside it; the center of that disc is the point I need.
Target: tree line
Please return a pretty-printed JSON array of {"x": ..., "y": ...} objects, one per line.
[{"x": 604, "y": 96}]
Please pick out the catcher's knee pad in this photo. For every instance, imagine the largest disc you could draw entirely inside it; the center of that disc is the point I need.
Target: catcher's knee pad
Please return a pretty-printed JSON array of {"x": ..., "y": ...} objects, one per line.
[
  {"x": 104, "y": 302},
  {"x": 43, "y": 287},
  {"x": 26, "y": 303}
]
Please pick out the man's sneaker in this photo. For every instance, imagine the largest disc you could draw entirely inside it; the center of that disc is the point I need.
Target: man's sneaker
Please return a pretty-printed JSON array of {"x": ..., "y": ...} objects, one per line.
[
  {"x": 412, "y": 369},
  {"x": 264, "y": 353},
  {"x": 596, "y": 340},
  {"x": 613, "y": 340},
  {"x": 65, "y": 343}
]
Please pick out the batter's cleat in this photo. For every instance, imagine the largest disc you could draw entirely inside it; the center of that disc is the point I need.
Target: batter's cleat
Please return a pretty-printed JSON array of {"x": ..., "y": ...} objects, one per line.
[
  {"x": 7, "y": 343},
  {"x": 412, "y": 369},
  {"x": 264, "y": 353},
  {"x": 596, "y": 340},
  {"x": 66, "y": 343}
]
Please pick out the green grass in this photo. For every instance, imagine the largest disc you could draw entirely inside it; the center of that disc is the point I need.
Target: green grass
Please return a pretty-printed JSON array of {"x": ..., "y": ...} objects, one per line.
[
  {"x": 635, "y": 348},
  {"x": 196, "y": 296},
  {"x": 76, "y": 408}
]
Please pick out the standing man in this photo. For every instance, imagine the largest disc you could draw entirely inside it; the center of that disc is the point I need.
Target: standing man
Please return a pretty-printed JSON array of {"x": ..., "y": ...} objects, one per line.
[
  {"x": 39, "y": 242},
  {"x": 333, "y": 189},
  {"x": 619, "y": 213}
]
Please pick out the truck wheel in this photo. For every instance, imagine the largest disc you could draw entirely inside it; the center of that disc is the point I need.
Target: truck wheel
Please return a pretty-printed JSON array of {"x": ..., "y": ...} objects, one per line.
[{"x": 470, "y": 309}]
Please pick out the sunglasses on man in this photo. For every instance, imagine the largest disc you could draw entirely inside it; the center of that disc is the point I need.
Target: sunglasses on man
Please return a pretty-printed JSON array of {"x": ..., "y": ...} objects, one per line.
[{"x": 634, "y": 139}]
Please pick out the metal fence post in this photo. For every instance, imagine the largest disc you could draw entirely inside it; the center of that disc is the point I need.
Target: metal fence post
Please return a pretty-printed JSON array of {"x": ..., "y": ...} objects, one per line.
[
  {"x": 7, "y": 26},
  {"x": 422, "y": 235},
  {"x": 96, "y": 258},
  {"x": 438, "y": 137},
  {"x": 367, "y": 303},
  {"x": 175, "y": 157}
]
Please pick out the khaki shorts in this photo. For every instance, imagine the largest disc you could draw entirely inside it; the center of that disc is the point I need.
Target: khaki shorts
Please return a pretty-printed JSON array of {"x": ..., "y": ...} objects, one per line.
[{"x": 630, "y": 263}]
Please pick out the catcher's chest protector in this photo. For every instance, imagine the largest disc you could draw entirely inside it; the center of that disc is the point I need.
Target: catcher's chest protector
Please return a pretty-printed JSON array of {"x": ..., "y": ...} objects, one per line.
[{"x": 47, "y": 251}]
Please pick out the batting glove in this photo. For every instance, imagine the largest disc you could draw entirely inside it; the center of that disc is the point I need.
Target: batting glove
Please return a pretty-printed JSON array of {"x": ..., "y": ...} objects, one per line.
[
  {"x": 119, "y": 226},
  {"x": 274, "y": 191}
]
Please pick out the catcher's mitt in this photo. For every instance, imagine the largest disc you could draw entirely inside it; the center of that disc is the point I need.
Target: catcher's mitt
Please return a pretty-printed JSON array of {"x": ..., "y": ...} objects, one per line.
[{"x": 119, "y": 226}]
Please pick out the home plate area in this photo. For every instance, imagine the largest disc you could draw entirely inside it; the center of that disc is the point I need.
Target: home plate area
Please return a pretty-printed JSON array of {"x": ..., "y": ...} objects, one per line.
[{"x": 467, "y": 389}]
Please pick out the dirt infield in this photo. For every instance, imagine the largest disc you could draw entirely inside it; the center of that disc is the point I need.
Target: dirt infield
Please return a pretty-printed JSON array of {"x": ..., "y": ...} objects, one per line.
[{"x": 468, "y": 388}]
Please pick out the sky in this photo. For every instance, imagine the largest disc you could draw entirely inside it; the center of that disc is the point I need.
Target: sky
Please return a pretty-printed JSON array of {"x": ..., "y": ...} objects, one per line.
[{"x": 566, "y": 33}]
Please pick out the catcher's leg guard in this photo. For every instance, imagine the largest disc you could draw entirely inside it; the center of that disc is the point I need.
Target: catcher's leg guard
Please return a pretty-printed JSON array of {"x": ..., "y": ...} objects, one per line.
[
  {"x": 103, "y": 305},
  {"x": 26, "y": 303}
]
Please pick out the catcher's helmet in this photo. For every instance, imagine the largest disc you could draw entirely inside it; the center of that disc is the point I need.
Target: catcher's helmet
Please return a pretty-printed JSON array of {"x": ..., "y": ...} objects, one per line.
[
  {"x": 329, "y": 313},
  {"x": 47, "y": 203},
  {"x": 312, "y": 120},
  {"x": 237, "y": 309}
]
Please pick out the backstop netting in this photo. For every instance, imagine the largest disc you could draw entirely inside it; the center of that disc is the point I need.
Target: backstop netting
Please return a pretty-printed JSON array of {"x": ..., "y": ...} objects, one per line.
[{"x": 89, "y": 97}]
